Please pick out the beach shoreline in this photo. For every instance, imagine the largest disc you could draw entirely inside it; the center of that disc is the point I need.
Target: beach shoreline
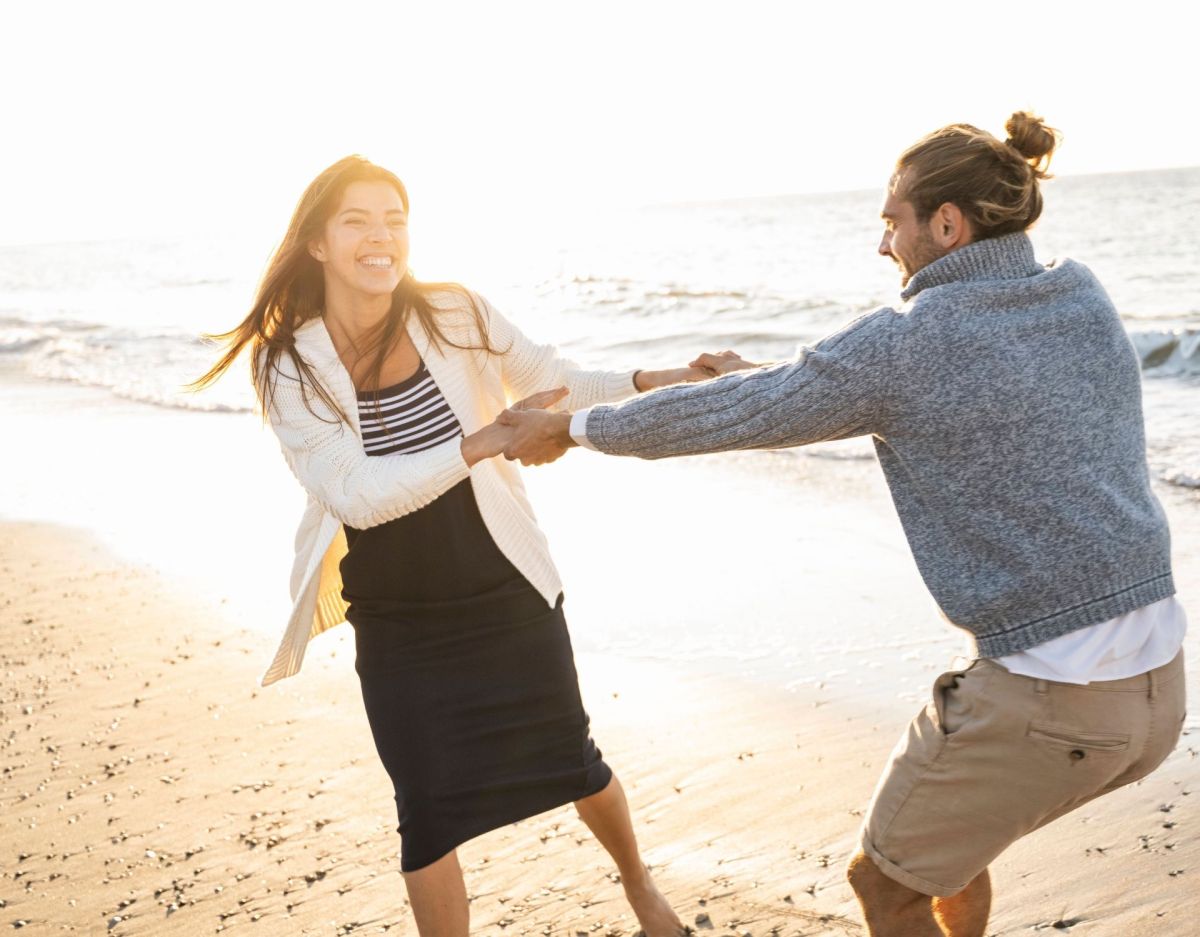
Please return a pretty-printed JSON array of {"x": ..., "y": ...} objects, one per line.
[{"x": 152, "y": 787}]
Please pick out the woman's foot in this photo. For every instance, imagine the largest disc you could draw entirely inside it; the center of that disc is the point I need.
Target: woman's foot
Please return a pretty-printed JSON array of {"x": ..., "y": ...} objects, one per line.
[{"x": 652, "y": 910}]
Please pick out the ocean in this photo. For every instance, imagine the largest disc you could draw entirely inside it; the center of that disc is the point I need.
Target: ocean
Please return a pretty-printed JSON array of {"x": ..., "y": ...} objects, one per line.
[{"x": 639, "y": 288}]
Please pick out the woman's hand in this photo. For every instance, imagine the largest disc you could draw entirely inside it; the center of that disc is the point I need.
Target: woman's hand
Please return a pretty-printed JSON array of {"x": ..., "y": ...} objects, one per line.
[
  {"x": 723, "y": 363},
  {"x": 542, "y": 400},
  {"x": 493, "y": 438},
  {"x": 485, "y": 443}
]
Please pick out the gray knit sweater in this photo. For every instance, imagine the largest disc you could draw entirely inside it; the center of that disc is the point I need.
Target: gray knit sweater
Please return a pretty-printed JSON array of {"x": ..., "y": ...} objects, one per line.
[{"x": 1004, "y": 399}]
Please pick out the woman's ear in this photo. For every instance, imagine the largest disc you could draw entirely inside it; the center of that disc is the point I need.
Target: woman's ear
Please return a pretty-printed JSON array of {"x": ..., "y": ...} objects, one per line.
[{"x": 316, "y": 250}]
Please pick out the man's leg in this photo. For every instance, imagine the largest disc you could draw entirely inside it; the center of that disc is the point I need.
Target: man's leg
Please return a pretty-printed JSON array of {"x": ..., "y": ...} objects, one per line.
[
  {"x": 966, "y": 914},
  {"x": 892, "y": 910}
]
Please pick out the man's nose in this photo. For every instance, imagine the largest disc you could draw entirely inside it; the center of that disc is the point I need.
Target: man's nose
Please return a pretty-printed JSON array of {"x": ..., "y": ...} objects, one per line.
[{"x": 885, "y": 244}]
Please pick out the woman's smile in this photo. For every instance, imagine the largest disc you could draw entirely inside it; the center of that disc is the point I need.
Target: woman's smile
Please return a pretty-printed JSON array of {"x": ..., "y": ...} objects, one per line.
[{"x": 364, "y": 245}]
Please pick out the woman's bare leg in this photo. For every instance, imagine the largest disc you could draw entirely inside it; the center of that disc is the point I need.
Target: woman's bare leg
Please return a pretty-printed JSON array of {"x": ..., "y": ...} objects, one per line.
[
  {"x": 607, "y": 816},
  {"x": 438, "y": 897}
]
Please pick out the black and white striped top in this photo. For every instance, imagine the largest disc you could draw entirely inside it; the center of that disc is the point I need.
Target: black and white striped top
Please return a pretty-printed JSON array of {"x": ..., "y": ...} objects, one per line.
[{"x": 411, "y": 416}]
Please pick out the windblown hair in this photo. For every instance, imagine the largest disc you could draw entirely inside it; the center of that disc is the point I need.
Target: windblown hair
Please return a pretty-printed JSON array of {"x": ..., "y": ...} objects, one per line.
[
  {"x": 292, "y": 292},
  {"x": 993, "y": 183}
]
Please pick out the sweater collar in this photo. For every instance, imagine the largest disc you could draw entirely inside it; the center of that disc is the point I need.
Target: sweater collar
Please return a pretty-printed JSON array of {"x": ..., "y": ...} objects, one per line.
[{"x": 1008, "y": 257}]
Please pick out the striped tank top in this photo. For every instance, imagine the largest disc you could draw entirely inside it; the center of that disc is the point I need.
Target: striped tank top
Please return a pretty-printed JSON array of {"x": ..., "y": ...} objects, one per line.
[
  {"x": 410, "y": 417},
  {"x": 439, "y": 562}
]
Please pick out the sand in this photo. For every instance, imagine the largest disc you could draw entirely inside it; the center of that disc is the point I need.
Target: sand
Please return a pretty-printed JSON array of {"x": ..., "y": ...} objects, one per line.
[
  {"x": 151, "y": 787},
  {"x": 751, "y": 634}
]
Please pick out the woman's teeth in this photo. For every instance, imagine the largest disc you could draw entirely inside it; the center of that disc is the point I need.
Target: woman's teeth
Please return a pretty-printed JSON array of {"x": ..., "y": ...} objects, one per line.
[{"x": 376, "y": 261}]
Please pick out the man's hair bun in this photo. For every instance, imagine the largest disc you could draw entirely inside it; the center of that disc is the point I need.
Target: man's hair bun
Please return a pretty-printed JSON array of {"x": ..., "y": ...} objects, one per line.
[{"x": 1029, "y": 136}]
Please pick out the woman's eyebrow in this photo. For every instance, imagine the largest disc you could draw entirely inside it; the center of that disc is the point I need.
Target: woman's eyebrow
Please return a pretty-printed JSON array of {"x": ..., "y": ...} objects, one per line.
[{"x": 363, "y": 211}]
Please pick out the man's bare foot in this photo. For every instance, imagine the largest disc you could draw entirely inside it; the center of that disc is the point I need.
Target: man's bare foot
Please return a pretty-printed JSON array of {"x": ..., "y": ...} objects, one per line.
[{"x": 652, "y": 910}]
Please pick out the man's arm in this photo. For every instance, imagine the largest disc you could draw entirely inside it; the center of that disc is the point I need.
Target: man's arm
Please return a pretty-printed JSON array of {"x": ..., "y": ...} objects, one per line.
[{"x": 834, "y": 390}]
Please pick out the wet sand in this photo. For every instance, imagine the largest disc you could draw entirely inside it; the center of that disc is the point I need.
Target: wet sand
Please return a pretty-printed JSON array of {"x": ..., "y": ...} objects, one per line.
[{"x": 151, "y": 787}]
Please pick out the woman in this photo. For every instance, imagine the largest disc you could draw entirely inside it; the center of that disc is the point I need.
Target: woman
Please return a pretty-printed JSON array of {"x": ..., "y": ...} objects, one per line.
[{"x": 382, "y": 392}]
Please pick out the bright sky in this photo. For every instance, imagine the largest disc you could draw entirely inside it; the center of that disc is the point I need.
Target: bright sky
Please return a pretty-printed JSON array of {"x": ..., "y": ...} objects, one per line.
[{"x": 126, "y": 119}]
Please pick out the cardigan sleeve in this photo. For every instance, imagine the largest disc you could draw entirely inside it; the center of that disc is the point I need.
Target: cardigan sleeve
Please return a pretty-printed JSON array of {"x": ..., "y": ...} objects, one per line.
[
  {"x": 328, "y": 460},
  {"x": 527, "y": 367}
]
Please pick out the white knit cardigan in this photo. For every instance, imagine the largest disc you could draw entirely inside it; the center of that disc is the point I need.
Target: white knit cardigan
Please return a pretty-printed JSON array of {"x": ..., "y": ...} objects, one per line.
[{"x": 346, "y": 486}]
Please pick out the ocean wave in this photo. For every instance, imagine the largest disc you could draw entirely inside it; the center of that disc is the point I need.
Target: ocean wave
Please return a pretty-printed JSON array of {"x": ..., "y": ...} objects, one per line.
[
  {"x": 150, "y": 367},
  {"x": 1168, "y": 353},
  {"x": 673, "y": 290},
  {"x": 697, "y": 303},
  {"x": 693, "y": 343},
  {"x": 1182, "y": 478},
  {"x": 18, "y": 340},
  {"x": 20, "y": 335}
]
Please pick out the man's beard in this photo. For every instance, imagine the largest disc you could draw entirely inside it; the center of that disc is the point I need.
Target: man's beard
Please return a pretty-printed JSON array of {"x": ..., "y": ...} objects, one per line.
[{"x": 924, "y": 253}]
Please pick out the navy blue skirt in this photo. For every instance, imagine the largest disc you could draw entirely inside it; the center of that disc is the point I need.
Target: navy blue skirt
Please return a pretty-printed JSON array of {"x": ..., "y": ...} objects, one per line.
[{"x": 475, "y": 711}]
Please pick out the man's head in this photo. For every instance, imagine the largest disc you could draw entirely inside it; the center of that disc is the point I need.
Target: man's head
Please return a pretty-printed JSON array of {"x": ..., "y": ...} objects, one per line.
[{"x": 960, "y": 184}]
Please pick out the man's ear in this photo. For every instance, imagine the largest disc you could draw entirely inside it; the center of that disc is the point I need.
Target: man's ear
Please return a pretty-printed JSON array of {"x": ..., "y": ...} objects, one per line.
[{"x": 950, "y": 228}]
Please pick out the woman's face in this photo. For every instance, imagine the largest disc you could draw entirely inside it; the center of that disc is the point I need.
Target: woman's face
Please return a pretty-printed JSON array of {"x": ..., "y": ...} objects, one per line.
[{"x": 364, "y": 246}]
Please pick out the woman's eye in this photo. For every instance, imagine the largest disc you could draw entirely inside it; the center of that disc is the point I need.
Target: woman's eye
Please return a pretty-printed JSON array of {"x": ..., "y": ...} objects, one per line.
[{"x": 399, "y": 223}]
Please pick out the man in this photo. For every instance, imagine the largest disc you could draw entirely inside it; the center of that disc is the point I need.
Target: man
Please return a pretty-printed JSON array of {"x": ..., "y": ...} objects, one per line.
[{"x": 1004, "y": 400}]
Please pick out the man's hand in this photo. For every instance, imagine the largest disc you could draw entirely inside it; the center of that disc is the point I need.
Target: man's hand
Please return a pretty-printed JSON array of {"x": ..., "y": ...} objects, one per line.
[
  {"x": 723, "y": 363},
  {"x": 492, "y": 439},
  {"x": 538, "y": 437}
]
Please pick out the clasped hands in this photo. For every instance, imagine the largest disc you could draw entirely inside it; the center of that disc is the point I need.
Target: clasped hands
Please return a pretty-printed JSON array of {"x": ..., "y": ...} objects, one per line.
[{"x": 530, "y": 432}]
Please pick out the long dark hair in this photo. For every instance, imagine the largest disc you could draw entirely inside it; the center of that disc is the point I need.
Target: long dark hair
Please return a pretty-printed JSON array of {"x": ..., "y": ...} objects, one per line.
[{"x": 292, "y": 292}]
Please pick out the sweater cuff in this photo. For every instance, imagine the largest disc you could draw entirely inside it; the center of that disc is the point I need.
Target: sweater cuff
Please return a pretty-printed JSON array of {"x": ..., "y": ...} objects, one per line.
[
  {"x": 592, "y": 429},
  {"x": 441, "y": 467},
  {"x": 453, "y": 469},
  {"x": 619, "y": 385},
  {"x": 578, "y": 429}
]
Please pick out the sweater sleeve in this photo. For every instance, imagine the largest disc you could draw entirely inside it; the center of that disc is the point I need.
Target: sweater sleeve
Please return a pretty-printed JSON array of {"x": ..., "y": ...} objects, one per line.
[
  {"x": 527, "y": 367},
  {"x": 833, "y": 390},
  {"x": 328, "y": 460}
]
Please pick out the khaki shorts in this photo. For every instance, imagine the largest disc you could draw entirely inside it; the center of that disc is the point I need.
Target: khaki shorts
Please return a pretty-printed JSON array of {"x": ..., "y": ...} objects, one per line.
[{"x": 996, "y": 755}]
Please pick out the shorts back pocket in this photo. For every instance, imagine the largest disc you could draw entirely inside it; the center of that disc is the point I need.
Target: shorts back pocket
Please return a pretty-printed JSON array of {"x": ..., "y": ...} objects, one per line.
[{"x": 1070, "y": 737}]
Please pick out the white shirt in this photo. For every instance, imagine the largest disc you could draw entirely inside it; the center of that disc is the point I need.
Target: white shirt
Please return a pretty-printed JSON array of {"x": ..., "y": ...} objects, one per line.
[{"x": 1121, "y": 647}]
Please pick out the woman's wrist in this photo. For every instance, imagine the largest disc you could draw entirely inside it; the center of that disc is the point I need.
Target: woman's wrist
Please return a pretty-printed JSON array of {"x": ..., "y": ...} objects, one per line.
[
  {"x": 649, "y": 380},
  {"x": 475, "y": 447},
  {"x": 469, "y": 452}
]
